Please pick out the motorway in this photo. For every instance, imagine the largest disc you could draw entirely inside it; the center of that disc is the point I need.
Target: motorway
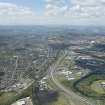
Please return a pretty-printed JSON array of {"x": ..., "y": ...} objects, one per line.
[{"x": 69, "y": 93}]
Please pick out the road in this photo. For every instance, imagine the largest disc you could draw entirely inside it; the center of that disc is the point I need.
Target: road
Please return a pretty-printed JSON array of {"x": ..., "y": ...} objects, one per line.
[
  {"x": 67, "y": 92},
  {"x": 16, "y": 65}
]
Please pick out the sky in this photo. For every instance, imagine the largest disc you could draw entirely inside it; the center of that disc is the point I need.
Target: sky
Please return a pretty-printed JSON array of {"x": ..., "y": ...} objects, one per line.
[{"x": 37, "y": 12}]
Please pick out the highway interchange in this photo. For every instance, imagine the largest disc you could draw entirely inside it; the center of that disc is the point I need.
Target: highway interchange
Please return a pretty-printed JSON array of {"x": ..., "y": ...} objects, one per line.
[{"x": 68, "y": 93}]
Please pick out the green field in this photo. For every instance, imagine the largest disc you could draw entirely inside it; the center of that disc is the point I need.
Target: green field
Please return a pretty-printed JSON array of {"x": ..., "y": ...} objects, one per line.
[
  {"x": 97, "y": 87},
  {"x": 63, "y": 101},
  {"x": 5, "y": 97},
  {"x": 90, "y": 85}
]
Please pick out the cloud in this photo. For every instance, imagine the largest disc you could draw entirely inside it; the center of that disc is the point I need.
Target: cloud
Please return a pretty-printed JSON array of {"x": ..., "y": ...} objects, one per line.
[
  {"x": 14, "y": 10},
  {"x": 56, "y": 7},
  {"x": 15, "y": 14},
  {"x": 56, "y": 12},
  {"x": 76, "y": 8}
]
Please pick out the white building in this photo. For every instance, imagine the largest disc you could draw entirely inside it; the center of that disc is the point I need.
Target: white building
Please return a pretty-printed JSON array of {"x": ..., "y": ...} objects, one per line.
[
  {"x": 24, "y": 101},
  {"x": 103, "y": 84}
]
